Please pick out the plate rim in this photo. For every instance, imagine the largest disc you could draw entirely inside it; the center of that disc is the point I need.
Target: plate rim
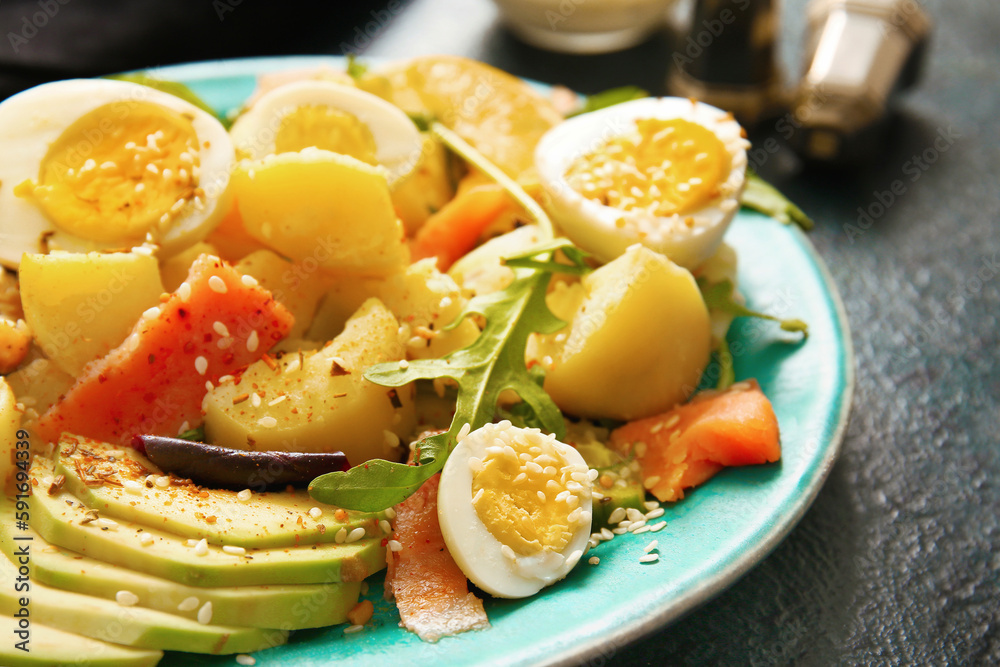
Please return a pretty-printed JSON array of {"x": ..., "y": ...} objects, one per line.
[{"x": 703, "y": 592}]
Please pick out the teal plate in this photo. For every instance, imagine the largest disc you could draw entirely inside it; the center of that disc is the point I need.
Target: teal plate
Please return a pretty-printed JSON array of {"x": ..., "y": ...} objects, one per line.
[{"x": 712, "y": 538}]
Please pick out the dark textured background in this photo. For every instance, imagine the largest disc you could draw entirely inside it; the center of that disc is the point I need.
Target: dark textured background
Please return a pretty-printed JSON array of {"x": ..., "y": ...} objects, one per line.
[{"x": 898, "y": 561}]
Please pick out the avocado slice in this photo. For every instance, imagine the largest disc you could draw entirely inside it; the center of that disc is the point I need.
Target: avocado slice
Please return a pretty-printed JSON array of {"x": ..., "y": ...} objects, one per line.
[
  {"x": 51, "y": 647},
  {"x": 65, "y": 521},
  {"x": 99, "y": 474},
  {"x": 625, "y": 488},
  {"x": 279, "y": 606},
  {"x": 109, "y": 621}
]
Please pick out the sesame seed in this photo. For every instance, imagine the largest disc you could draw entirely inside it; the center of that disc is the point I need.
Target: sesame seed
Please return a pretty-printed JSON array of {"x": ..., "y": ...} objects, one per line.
[
  {"x": 404, "y": 364},
  {"x": 267, "y": 422},
  {"x": 394, "y": 546},
  {"x": 133, "y": 487},
  {"x": 640, "y": 449},
  {"x": 341, "y": 536},
  {"x": 220, "y": 328},
  {"x": 651, "y": 505},
  {"x": 550, "y": 471},
  {"x": 209, "y": 386},
  {"x": 594, "y": 560},
  {"x": 445, "y": 302},
  {"x": 633, "y": 514},
  {"x": 670, "y": 423},
  {"x": 255, "y": 399},
  {"x": 166, "y": 174},
  {"x": 740, "y": 386},
  {"x": 162, "y": 482},
  {"x": 595, "y": 538},
  {"x": 640, "y": 529},
  {"x": 652, "y": 545},
  {"x": 617, "y": 515},
  {"x": 205, "y": 613},
  {"x": 145, "y": 539},
  {"x": 277, "y": 400},
  {"x": 201, "y": 365},
  {"x": 126, "y": 598},
  {"x": 508, "y": 552},
  {"x": 619, "y": 530},
  {"x": 477, "y": 497},
  {"x": 355, "y": 535},
  {"x": 390, "y": 513},
  {"x": 391, "y": 439},
  {"x": 188, "y": 604},
  {"x": 315, "y": 512},
  {"x": 351, "y": 629},
  {"x": 541, "y": 495},
  {"x": 201, "y": 549},
  {"x": 385, "y": 526},
  {"x": 234, "y": 551},
  {"x": 592, "y": 475},
  {"x": 597, "y": 495},
  {"x": 574, "y": 558},
  {"x": 533, "y": 467},
  {"x": 657, "y": 527},
  {"x": 218, "y": 285},
  {"x": 244, "y": 495},
  {"x": 248, "y": 281},
  {"x": 191, "y": 542},
  {"x": 574, "y": 516},
  {"x": 653, "y": 514},
  {"x": 649, "y": 558},
  {"x": 151, "y": 168},
  {"x": 246, "y": 660},
  {"x": 476, "y": 464},
  {"x": 607, "y": 534},
  {"x": 650, "y": 482},
  {"x": 464, "y": 431},
  {"x": 109, "y": 524},
  {"x": 521, "y": 477},
  {"x": 184, "y": 291}
]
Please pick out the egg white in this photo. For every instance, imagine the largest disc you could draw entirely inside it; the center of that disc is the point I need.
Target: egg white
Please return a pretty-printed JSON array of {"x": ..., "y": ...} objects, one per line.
[
  {"x": 397, "y": 140},
  {"x": 593, "y": 226},
  {"x": 476, "y": 551},
  {"x": 32, "y": 120}
]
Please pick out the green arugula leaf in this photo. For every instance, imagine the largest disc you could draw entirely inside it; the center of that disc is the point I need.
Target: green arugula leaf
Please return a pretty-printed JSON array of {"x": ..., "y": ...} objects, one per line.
[
  {"x": 578, "y": 258},
  {"x": 609, "y": 98},
  {"x": 193, "y": 434},
  {"x": 720, "y": 296},
  {"x": 492, "y": 364},
  {"x": 727, "y": 374},
  {"x": 355, "y": 68},
  {"x": 170, "y": 87},
  {"x": 760, "y": 195}
]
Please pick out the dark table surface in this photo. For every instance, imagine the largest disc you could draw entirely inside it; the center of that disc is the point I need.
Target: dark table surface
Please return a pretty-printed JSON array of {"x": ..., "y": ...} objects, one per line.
[{"x": 898, "y": 560}]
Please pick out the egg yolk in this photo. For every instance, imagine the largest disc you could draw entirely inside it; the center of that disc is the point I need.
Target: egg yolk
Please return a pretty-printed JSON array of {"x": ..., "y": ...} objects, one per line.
[
  {"x": 120, "y": 172},
  {"x": 665, "y": 167},
  {"x": 526, "y": 498},
  {"x": 325, "y": 128}
]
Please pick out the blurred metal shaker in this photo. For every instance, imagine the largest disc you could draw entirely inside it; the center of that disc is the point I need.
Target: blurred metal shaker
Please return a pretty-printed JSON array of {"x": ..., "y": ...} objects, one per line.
[
  {"x": 858, "y": 52},
  {"x": 727, "y": 57}
]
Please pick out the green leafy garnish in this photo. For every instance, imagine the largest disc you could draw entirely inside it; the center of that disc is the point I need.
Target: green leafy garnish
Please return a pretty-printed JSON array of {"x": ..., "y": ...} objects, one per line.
[
  {"x": 492, "y": 364},
  {"x": 760, "y": 195},
  {"x": 720, "y": 296},
  {"x": 193, "y": 434},
  {"x": 724, "y": 357},
  {"x": 355, "y": 68},
  {"x": 578, "y": 258},
  {"x": 609, "y": 98},
  {"x": 422, "y": 121},
  {"x": 170, "y": 87}
]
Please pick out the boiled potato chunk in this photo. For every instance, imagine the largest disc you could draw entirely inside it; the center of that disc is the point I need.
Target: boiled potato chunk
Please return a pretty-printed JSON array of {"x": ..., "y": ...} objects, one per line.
[
  {"x": 422, "y": 298},
  {"x": 298, "y": 286},
  {"x": 322, "y": 207},
  {"x": 174, "y": 270},
  {"x": 637, "y": 343},
  {"x": 426, "y": 189},
  {"x": 319, "y": 401},
  {"x": 80, "y": 306}
]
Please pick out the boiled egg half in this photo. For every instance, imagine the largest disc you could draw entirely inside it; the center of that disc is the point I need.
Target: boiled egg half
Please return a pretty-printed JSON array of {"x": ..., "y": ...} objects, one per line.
[
  {"x": 90, "y": 164},
  {"x": 515, "y": 508},
  {"x": 333, "y": 117},
  {"x": 664, "y": 172}
]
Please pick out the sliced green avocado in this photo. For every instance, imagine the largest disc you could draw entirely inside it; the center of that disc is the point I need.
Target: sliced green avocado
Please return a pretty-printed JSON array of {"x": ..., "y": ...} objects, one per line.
[
  {"x": 113, "y": 480},
  {"x": 281, "y": 606},
  {"x": 50, "y": 647},
  {"x": 110, "y": 621},
  {"x": 65, "y": 521},
  {"x": 625, "y": 489}
]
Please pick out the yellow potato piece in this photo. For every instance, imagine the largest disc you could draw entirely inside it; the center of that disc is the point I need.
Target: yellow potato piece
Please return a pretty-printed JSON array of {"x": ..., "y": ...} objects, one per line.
[
  {"x": 638, "y": 341},
  {"x": 319, "y": 207},
  {"x": 82, "y": 305},
  {"x": 319, "y": 401},
  {"x": 297, "y": 286}
]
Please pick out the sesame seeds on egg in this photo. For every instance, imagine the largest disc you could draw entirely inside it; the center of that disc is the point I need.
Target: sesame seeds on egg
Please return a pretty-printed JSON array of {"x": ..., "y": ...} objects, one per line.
[{"x": 513, "y": 510}]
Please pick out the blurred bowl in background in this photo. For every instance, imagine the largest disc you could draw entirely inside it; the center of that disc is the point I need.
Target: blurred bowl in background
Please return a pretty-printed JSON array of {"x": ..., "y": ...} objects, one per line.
[{"x": 584, "y": 26}]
